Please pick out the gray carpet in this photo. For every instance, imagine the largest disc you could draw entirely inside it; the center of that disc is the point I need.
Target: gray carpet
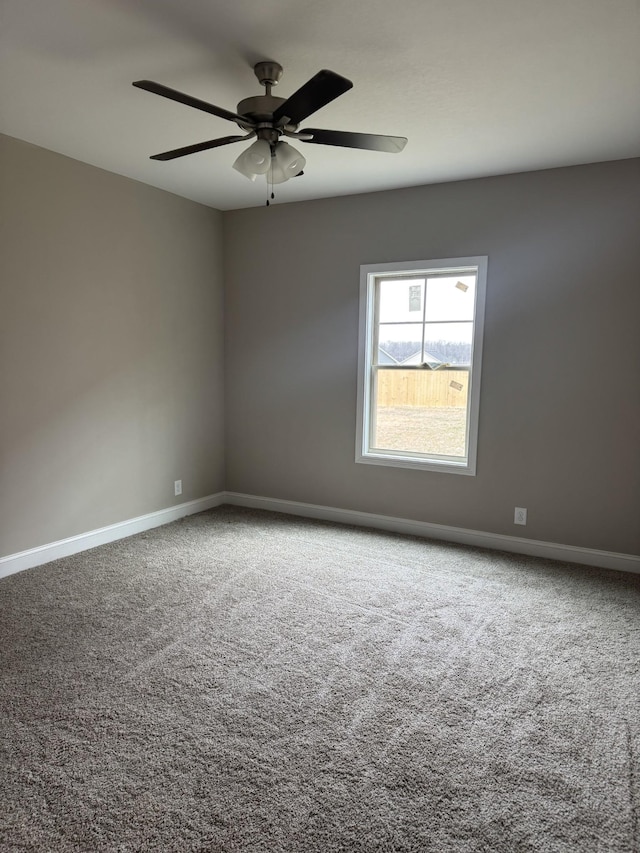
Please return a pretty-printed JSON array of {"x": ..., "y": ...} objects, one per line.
[{"x": 245, "y": 681}]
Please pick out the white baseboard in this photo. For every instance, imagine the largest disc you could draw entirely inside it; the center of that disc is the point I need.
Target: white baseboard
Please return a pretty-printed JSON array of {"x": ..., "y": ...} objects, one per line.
[
  {"x": 497, "y": 541},
  {"x": 514, "y": 544},
  {"x": 74, "y": 544}
]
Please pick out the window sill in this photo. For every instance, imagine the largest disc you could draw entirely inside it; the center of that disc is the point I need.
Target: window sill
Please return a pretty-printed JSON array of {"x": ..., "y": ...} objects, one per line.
[{"x": 443, "y": 467}]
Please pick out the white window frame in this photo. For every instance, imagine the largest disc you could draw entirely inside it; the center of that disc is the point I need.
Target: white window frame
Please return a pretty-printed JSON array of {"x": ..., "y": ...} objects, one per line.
[{"x": 369, "y": 273}]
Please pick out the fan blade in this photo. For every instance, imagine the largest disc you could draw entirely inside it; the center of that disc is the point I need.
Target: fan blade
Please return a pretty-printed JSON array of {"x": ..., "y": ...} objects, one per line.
[
  {"x": 368, "y": 141},
  {"x": 323, "y": 88},
  {"x": 181, "y": 98},
  {"x": 199, "y": 146}
]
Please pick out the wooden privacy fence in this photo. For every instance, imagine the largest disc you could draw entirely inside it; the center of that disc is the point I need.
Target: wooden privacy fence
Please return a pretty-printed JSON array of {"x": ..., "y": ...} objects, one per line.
[{"x": 422, "y": 387}]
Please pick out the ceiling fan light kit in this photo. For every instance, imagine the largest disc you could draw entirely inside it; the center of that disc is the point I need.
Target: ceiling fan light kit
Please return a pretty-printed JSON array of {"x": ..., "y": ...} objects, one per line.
[
  {"x": 267, "y": 118},
  {"x": 278, "y": 162}
]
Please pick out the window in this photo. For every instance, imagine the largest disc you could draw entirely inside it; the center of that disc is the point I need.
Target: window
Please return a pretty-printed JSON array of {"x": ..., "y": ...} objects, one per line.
[{"x": 421, "y": 329}]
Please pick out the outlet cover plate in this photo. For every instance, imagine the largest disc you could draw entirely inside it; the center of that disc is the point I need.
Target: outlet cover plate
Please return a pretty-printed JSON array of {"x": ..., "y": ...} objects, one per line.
[
  {"x": 520, "y": 515},
  {"x": 177, "y": 487}
]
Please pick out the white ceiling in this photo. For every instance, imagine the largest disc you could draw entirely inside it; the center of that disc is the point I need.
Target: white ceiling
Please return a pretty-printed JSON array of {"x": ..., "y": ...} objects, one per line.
[{"x": 480, "y": 87}]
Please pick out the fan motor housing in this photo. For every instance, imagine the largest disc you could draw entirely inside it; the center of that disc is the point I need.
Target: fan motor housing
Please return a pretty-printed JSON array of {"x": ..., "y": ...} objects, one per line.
[{"x": 259, "y": 107}]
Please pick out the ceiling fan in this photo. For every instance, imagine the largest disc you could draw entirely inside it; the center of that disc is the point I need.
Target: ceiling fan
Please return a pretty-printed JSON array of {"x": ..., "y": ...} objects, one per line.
[{"x": 268, "y": 119}]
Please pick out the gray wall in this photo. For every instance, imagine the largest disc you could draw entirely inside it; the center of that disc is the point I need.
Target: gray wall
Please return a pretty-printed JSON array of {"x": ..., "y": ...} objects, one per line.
[
  {"x": 111, "y": 348},
  {"x": 560, "y": 407}
]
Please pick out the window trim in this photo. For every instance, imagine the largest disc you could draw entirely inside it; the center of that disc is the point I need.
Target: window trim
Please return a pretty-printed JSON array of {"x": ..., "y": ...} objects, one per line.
[{"x": 366, "y": 334}]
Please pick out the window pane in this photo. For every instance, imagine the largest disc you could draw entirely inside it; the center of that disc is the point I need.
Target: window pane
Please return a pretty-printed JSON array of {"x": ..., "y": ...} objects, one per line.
[
  {"x": 401, "y": 300},
  {"x": 399, "y": 342},
  {"x": 448, "y": 343},
  {"x": 421, "y": 411},
  {"x": 451, "y": 298}
]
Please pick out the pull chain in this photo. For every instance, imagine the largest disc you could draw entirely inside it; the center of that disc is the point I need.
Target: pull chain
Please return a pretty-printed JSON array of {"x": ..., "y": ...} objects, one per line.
[{"x": 270, "y": 175}]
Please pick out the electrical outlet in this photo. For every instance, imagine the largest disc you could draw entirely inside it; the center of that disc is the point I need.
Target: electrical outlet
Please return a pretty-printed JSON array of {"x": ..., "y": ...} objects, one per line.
[
  {"x": 177, "y": 488},
  {"x": 520, "y": 516}
]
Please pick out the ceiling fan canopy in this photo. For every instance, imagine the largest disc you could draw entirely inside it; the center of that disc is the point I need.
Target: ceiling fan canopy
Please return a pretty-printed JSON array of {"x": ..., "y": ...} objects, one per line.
[{"x": 268, "y": 118}]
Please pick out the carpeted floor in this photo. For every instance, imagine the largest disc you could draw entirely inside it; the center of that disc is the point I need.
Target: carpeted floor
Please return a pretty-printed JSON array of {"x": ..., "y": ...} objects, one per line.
[{"x": 246, "y": 681}]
